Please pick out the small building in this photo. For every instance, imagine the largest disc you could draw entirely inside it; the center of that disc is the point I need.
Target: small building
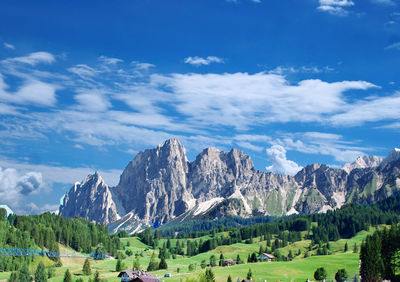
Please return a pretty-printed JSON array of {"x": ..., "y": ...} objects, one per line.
[
  {"x": 136, "y": 276},
  {"x": 267, "y": 257},
  {"x": 229, "y": 262}
]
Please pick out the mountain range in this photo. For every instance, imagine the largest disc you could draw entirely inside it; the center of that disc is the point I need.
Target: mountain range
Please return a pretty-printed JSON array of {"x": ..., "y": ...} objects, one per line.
[{"x": 160, "y": 185}]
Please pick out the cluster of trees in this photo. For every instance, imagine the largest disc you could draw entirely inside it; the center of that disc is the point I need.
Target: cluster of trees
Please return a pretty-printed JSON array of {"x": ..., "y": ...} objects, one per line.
[
  {"x": 46, "y": 231},
  {"x": 380, "y": 255},
  {"x": 40, "y": 275},
  {"x": 321, "y": 274}
]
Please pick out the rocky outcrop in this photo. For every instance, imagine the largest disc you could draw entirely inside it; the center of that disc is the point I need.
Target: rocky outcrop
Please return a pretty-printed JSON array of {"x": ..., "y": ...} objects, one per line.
[
  {"x": 160, "y": 185},
  {"x": 90, "y": 199},
  {"x": 363, "y": 162}
]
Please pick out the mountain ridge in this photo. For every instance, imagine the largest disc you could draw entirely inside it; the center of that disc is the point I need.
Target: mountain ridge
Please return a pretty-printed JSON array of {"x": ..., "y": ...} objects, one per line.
[{"x": 160, "y": 185}]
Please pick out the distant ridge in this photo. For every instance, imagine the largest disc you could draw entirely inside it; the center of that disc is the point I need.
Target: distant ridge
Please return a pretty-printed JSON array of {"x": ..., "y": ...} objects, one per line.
[{"x": 160, "y": 185}]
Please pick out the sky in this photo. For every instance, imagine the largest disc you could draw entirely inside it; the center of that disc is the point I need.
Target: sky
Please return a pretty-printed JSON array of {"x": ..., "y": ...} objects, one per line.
[{"x": 86, "y": 85}]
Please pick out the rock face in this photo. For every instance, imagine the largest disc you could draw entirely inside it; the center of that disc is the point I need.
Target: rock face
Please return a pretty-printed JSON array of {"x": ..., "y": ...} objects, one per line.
[
  {"x": 160, "y": 185},
  {"x": 90, "y": 199}
]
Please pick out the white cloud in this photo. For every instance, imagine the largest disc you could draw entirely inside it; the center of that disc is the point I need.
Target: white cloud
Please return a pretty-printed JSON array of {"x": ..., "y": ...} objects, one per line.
[
  {"x": 280, "y": 164},
  {"x": 199, "y": 61},
  {"x": 110, "y": 61},
  {"x": 33, "y": 59},
  {"x": 93, "y": 101},
  {"x": 55, "y": 174},
  {"x": 142, "y": 66},
  {"x": 250, "y": 146},
  {"x": 241, "y": 99},
  {"x": 384, "y": 2},
  {"x": 395, "y": 46},
  {"x": 320, "y": 143},
  {"x": 8, "y": 46},
  {"x": 83, "y": 71},
  {"x": 32, "y": 92},
  {"x": 369, "y": 110},
  {"x": 335, "y": 7},
  {"x": 280, "y": 70},
  {"x": 16, "y": 185}
]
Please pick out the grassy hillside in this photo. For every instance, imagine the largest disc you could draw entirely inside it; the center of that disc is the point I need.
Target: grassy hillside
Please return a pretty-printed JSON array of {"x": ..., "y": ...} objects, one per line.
[{"x": 299, "y": 269}]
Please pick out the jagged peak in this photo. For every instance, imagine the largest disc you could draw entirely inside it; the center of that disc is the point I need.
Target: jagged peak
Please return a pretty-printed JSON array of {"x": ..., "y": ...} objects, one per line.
[
  {"x": 95, "y": 177},
  {"x": 393, "y": 155},
  {"x": 365, "y": 161}
]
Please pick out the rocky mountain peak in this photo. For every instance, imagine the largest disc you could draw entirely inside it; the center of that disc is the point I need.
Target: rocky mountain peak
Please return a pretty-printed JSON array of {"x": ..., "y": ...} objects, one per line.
[
  {"x": 90, "y": 199},
  {"x": 363, "y": 162},
  {"x": 393, "y": 155}
]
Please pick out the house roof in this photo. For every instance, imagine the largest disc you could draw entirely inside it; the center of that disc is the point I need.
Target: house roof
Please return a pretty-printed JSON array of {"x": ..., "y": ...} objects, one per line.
[
  {"x": 142, "y": 275},
  {"x": 269, "y": 256}
]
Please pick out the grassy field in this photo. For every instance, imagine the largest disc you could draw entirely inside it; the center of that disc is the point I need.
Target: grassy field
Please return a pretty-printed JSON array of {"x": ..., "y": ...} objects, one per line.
[{"x": 299, "y": 269}]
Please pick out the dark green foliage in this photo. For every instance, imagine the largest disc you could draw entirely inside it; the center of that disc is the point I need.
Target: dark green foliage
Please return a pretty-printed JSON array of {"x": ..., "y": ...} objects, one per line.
[
  {"x": 79, "y": 280},
  {"x": 40, "y": 274},
  {"x": 86, "y": 268},
  {"x": 355, "y": 248},
  {"x": 136, "y": 264},
  {"x": 238, "y": 259},
  {"x": 97, "y": 277},
  {"x": 128, "y": 252},
  {"x": 13, "y": 277},
  {"x": 320, "y": 274},
  {"x": 153, "y": 264},
  {"x": 51, "y": 272},
  {"x": 191, "y": 267},
  {"x": 203, "y": 264},
  {"x": 23, "y": 275},
  {"x": 213, "y": 261},
  {"x": 208, "y": 276},
  {"x": 249, "y": 274},
  {"x": 118, "y": 266},
  {"x": 163, "y": 264},
  {"x": 3, "y": 214},
  {"x": 346, "y": 247},
  {"x": 67, "y": 276},
  {"x": 341, "y": 275},
  {"x": 372, "y": 266},
  {"x": 221, "y": 260},
  {"x": 229, "y": 279},
  {"x": 46, "y": 231}
]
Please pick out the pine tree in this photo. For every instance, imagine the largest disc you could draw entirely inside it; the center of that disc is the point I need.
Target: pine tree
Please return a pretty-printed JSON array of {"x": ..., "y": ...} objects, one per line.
[
  {"x": 163, "y": 264},
  {"x": 118, "y": 266},
  {"x": 221, "y": 260},
  {"x": 153, "y": 265},
  {"x": 86, "y": 268},
  {"x": 249, "y": 274},
  {"x": 97, "y": 277},
  {"x": 136, "y": 264},
  {"x": 346, "y": 247},
  {"x": 210, "y": 275},
  {"x": 40, "y": 274},
  {"x": 229, "y": 278},
  {"x": 13, "y": 277},
  {"x": 67, "y": 276},
  {"x": 355, "y": 249},
  {"x": 238, "y": 260},
  {"x": 23, "y": 275}
]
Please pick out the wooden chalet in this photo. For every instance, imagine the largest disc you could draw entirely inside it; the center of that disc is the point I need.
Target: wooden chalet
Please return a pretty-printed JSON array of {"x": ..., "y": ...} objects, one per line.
[{"x": 137, "y": 276}]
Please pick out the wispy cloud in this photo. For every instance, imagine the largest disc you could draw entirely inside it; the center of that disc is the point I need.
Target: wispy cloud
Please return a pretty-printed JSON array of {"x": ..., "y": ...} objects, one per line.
[
  {"x": 33, "y": 59},
  {"x": 199, "y": 61},
  {"x": 335, "y": 7},
  {"x": 384, "y": 2},
  {"x": 8, "y": 46},
  {"x": 394, "y": 46}
]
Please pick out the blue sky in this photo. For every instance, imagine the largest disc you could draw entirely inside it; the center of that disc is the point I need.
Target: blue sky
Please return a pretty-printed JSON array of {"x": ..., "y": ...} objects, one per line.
[{"x": 86, "y": 85}]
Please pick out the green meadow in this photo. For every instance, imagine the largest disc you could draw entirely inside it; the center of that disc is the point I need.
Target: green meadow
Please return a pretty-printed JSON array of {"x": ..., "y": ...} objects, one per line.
[{"x": 299, "y": 269}]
